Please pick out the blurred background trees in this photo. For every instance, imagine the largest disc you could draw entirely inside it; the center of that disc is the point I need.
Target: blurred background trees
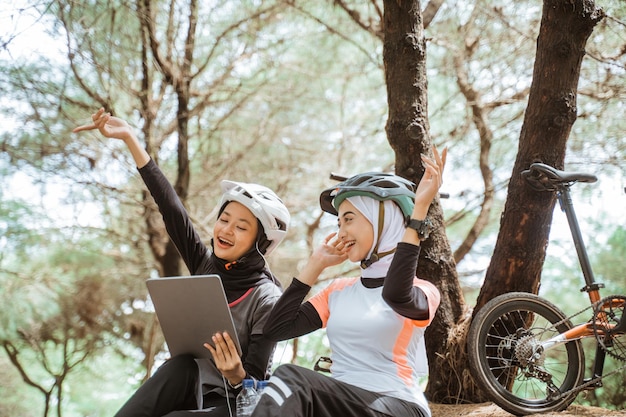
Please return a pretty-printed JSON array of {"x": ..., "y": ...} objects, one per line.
[{"x": 277, "y": 92}]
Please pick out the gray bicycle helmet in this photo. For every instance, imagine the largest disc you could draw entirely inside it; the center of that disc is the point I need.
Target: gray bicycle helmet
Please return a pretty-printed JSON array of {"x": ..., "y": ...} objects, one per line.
[
  {"x": 264, "y": 204},
  {"x": 377, "y": 185}
]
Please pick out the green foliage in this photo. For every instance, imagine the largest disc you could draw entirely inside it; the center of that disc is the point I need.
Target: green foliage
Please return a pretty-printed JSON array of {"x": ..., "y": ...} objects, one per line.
[
  {"x": 282, "y": 94},
  {"x": 610, "y": 261},
  {"x": 115, "y": 377},
  {"x": 16, "y": 397},
  {"x": 26, "y": 294},
  {"x": 61, "y": 302}
]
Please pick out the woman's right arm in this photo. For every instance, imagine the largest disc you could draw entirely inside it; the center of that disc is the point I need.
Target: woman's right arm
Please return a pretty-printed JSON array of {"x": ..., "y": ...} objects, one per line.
[
  {"x": 290, "y": 317},
  {"x": 116, "y": 128},
  {"x": 177, "y": 221},
  {"x": 175, "y": 216}
]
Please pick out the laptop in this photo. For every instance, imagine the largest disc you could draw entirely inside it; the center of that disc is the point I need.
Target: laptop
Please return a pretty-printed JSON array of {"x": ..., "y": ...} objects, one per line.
[{"x": 191, "y": 309}]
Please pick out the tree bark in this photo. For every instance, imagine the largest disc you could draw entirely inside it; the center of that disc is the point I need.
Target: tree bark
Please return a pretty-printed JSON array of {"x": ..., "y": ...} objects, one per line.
[
  {"x": 179, "y": 76},
  {"x": 525, "y": 223},
  {"x": 404, "y": 56}
]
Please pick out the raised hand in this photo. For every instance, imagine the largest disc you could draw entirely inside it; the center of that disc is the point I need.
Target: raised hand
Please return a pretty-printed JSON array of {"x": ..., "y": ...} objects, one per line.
[
  {"x": 430, "y": 183},
  {"x": 116, "y": 128},
  {"x": 109, "y": 126},
  {"x": 331, "y": 252}
]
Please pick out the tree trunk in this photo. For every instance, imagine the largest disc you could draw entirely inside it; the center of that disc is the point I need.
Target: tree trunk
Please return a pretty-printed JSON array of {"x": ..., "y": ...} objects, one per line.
[
  {"x": 525, "y": 224},
  {"x": 520, "y": 249},
  {"x": 179, "y": 76},
  {"x": 404, "y": 56},
  {"x": 166, "y": 255}
]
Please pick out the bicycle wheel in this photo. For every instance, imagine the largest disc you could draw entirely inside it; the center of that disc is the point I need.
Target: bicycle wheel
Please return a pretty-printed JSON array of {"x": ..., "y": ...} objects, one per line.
[{"x": 509, "y": 362}]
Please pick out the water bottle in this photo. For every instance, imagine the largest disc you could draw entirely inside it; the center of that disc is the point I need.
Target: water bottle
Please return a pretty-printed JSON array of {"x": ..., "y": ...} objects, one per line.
[
  {"x": 246, "y": 399},
  {"x": 260, "y": 386}
]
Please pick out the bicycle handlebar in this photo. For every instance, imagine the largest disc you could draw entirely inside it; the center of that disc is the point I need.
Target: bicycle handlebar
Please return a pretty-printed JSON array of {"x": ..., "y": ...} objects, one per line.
[
  {"x": 337, "y": 177},
  {"x": 542, "y": 177}
]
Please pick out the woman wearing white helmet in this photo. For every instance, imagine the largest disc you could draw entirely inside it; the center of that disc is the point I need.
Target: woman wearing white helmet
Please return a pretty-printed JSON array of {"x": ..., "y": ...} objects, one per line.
[
  {"x": 251, "y": 222},
  {"x": 375, "y": 323},
  {"x": 265, "y": 206}
]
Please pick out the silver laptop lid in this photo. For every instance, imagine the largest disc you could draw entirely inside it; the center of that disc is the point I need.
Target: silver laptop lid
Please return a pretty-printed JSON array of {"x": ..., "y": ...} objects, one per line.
[{"x": 191, "y": 309}]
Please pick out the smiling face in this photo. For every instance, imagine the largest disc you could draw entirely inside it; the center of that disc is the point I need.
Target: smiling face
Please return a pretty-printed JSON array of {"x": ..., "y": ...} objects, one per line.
[
  {"x": 355, "y": 231},
  {"x": 234, "y": 232}
]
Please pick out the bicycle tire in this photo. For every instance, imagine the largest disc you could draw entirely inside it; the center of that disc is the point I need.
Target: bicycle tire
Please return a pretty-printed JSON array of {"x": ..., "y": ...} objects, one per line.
[{"x": 500, "y": 337}]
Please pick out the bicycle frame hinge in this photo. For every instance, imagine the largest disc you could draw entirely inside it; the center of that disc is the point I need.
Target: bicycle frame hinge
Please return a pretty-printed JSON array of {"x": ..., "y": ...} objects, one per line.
[{"x": 593, "y": 287}]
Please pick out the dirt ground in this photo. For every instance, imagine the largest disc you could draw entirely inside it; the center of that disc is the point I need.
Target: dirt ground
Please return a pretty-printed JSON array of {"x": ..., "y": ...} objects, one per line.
[{"x": 492, "y": 410}]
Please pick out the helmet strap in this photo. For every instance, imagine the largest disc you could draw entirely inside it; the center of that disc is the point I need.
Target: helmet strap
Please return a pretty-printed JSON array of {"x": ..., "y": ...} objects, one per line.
[
  {"x": 381, "y": 224},
  {"x": 261, "y": 240}
]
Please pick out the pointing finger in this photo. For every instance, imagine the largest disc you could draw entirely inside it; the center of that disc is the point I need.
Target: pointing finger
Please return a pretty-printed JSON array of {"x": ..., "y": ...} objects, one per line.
[{"x": 84, "y": 127}]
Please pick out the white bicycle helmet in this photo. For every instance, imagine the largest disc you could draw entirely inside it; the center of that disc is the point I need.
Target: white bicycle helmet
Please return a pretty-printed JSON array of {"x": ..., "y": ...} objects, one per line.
[{"x": 264, "y": 204}]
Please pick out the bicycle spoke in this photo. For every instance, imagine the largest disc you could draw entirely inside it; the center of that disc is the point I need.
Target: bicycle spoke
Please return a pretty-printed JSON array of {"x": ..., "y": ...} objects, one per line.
[{"x": 508, "y": 355}]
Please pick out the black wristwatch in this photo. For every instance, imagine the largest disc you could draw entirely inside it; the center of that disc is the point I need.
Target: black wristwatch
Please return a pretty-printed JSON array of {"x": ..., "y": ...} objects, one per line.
[{"x": 422, "y": 227}]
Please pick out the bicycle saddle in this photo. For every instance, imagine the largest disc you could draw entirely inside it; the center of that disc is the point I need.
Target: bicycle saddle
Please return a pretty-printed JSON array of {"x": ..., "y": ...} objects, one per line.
[{"x": 544, "y": 177}]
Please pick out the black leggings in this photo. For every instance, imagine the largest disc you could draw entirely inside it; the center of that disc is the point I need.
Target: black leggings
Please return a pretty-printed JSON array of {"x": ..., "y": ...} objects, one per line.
[
  {"x": 171, "y": 392},
  {"x": 294, "y": 391}
]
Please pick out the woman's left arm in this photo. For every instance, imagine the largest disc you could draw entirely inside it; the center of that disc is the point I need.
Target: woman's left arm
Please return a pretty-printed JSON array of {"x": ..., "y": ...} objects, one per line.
[
  {"x": 258, "y": 351},
  {"x": 229, "y": 363},
  {"x": 427, "y": 189},
  {"x": 398, "y": 289}
]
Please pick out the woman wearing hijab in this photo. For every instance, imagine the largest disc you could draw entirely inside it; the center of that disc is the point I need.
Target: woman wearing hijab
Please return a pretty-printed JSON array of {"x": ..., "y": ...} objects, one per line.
[{"x": 375, "y": 323}]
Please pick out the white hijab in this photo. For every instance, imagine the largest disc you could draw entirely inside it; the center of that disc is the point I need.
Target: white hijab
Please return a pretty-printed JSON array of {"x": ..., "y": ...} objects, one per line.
[{"x": 393, "y": 230}]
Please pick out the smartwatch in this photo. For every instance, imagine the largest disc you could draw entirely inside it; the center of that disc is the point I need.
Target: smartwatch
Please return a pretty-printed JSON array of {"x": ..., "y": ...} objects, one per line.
[{"x": 422, "y": 227}]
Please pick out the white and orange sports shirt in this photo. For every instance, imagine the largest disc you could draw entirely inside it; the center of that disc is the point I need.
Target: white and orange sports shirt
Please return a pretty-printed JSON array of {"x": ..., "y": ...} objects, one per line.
[{"x": 373, "y": 347}]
